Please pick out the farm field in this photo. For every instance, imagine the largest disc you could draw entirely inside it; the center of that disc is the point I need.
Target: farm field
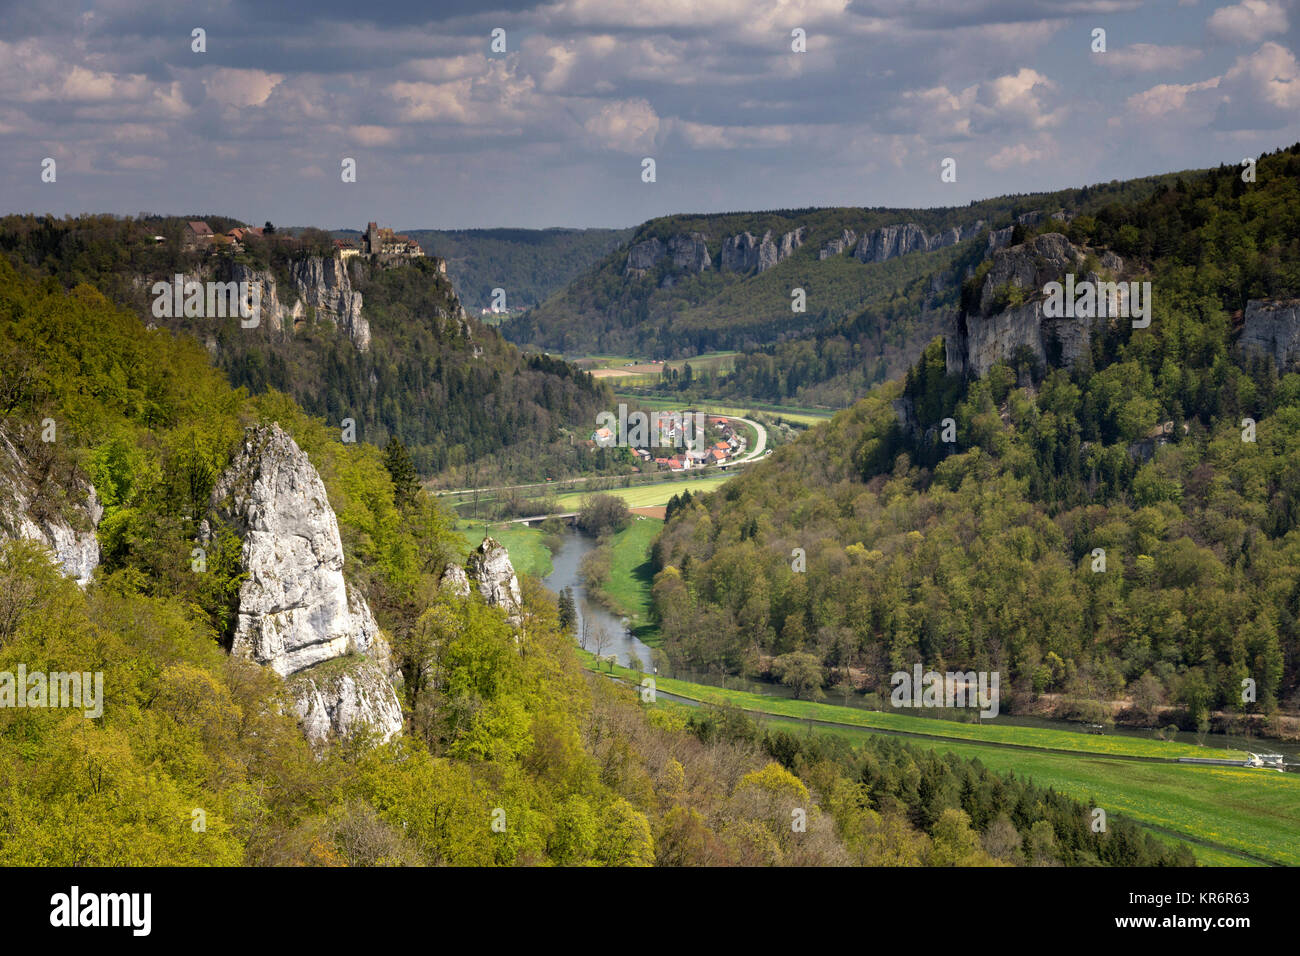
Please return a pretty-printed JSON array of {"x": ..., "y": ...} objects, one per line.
[
  {"x": 645, "y": 496},
  {"x": 1005, "y": 735},
  {"x": 1164, "y": 796},
  {"x": 1253, "y": 812}
]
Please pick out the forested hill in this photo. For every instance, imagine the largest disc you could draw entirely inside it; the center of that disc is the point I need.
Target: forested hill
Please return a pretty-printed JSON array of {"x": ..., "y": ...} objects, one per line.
[
  {"x": 874, "y": 278},
  {"x": 529, "y": 264},
  {"x": 1124, "y": 530},
  {"x": 386, "y": 345},
  {"x": 491, "y": 716}
]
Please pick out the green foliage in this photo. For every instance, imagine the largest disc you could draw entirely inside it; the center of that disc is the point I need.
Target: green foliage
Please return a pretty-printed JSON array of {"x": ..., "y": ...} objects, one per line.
[{"x": 980, "y": 556}]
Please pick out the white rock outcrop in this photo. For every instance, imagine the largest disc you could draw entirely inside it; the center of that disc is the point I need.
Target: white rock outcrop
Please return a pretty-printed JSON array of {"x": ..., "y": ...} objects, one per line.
[
  {"x": 345, "y": 697},
  {"x": 995, "y": 331},
  {"x": 746, "y": 253},
  {"x": 297, "y": 614},
  {"x": 1272, "y": 326},
  {"x": 66, "y": 528},
  {"x": 323, "y": 284},
  {"x": 489, "y": 567}
]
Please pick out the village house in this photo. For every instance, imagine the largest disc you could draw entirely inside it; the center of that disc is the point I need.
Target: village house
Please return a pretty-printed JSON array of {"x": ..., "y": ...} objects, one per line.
[{"x": 197, "y": 234}]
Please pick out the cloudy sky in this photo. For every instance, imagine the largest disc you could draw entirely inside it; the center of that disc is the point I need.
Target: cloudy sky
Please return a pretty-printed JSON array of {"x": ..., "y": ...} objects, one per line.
[{"x": 447, "y": 133}]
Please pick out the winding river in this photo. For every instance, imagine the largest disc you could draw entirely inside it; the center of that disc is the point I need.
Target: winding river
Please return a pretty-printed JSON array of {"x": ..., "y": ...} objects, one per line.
[{"x": 567, "y": 563}]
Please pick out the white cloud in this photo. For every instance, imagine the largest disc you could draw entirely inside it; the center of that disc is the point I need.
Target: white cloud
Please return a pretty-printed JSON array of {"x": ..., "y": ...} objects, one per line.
[
  {"x": 367, "y": 135},
  {"x": 706, "y": 136},
  {"x": 1261, "y": 90},
  {"x": 1167, "y": 98},
  {"x": 625, "y": 125},
  {"x": 1148, "y": 57},
  {"x": 1248, "y": 22},
  {"x": 241, "y": 88},
  {"x": 1017, "y": 155}
]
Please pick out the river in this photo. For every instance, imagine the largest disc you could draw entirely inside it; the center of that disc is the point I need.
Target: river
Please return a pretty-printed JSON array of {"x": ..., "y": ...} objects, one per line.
[
  {"x": 566, "y": 572},
  {"x": 567, "y": 562}
]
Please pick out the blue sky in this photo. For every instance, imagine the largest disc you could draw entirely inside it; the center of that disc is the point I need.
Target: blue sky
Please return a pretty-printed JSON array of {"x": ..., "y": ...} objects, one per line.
[{"x": 448, "y": 134}]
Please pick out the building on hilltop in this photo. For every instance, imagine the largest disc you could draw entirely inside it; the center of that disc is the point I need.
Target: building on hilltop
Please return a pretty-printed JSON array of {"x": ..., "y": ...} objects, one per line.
[
  {"x": 197, "y": 233},
  {"x": 386, "y": 244}
]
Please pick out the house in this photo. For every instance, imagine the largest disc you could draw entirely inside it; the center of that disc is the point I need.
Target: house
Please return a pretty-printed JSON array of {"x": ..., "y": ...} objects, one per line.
[
  {"x": 719, "y": 456},
  {"x": 346, "y": 249},
  {"x": 196, "y": 234},
  {"x": 603, "y": 437}
]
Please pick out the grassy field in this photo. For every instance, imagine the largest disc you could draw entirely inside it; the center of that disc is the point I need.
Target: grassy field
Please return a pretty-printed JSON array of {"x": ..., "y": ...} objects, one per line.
[
  {"x": 1009, "y": 736},
  {"x": 528, "y": 554},
  {"x": 645, "y": 496},
  {"x": 1255, "y": 812},
  {"x": 627, "y": 591},
  {"x": 1261, "y": 806}
]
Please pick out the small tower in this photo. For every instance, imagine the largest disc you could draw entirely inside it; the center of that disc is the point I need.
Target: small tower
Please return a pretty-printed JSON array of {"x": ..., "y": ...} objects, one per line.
[{"x": 372, "y": 239}]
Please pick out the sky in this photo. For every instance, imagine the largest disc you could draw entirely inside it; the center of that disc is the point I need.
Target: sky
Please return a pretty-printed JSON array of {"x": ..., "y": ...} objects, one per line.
[{"x": 447, "y": 132}]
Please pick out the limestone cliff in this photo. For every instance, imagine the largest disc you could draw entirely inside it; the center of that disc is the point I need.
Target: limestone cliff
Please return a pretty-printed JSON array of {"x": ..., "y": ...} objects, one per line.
[
  {"x": 847, "y": 240},
  {"x": 889, "y": 242},
  {"x": 323, "y": 284},
  {"x": 296, "y": 611},
  {"x": 1272, "y": 327},
  {"x": 319, "y": 286},
  {"x": 745, "y": 253},
  {"x": 1010, "y": 316},
  {"x": 62, "y": 519}
]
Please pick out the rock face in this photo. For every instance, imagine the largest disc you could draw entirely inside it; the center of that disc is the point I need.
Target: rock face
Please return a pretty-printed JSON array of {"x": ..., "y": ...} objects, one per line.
[
  {"x": 294, "y": 608},
  {"x": 489, "y": 567},
  {"x": 456, "y": 580},
  {"x": 1272, "y": 327},
  {"x": 275, "y": 314},
  {"x": 744, "y": 253},
  {"x": 296, "y": 613},
  {"x": 345, "y": 697},
  {"x": 67, "y": 530},
  {"x": 643, "y": 256},
  {"x": 320, "y": 283},
  {"x": 995, "y": 333},
  {"x": 848, "y": 238},
  {"x": 997, "y": 239},
  {"x": 889, "y": 242},
  {"x": 324, "y": 285},
  {"x": 690, "y": 253}
]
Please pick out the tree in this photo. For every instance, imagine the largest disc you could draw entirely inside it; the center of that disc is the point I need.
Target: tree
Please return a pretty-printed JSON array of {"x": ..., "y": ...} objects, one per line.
[
  {"x": 402, "y": 470},
  {"x": 802, "y": 673},
  {"x": 601, "y": 513},
  {"x": 568, "y": 611}
]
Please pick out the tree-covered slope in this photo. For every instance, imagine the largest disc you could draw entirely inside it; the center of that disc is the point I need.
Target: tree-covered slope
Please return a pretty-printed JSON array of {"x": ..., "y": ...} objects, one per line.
[
  {"x": 195, "y": 758},
  {"x": 984, "y": 553},
  {"x": 675, "y": 310},
  {"x": 445, "y": 384},
  {"x": 529, "y": 264}
]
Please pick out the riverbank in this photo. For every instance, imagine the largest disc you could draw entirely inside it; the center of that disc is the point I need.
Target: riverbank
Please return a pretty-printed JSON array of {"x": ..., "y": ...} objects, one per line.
[{"x": 1228, "y": 815}]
